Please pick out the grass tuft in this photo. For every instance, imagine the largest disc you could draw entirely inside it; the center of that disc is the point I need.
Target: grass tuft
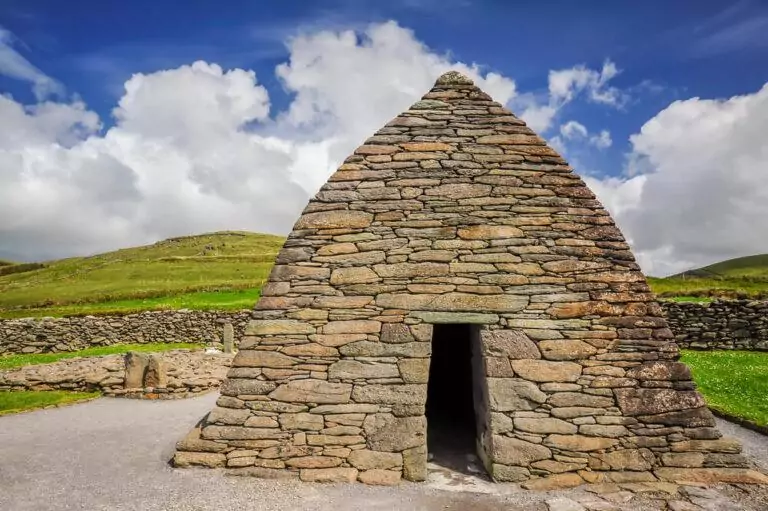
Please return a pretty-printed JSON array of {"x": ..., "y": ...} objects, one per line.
[
  {"x": 733, "y": 382},
  {"x": 14, "y": 402},
  {"x": 12, "y": 361}
]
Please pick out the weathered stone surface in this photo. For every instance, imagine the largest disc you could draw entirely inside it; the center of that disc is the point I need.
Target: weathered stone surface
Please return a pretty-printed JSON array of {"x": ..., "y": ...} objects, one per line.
[
  {"x": 512, "y": 451},
  {"x": 278, "y": 327},
  {"x": 414, "y": 370},
  {"x": 388, "y": 433},
  {"x": 328, "y": 475},
  {"x": 711, "y": 475},
  {"x": 579, "y": 443},
  {"x": 272, "y": 359},
  {"x": 514, "y": 344},
  {"x": 354, "y": 369},
  {"x": 365, "y": 459},
  {"x": 199, "y": 459},
  {"x": 303, "y": 421},
  {"x": 624, "y": 459},
  {"x": 653, "y": 401},
  {"x": 566, "y": 349},
  {"x": 352, "y": 327},
  {"x": 241, "y": 386},
  {"x": 415, "y": 463},
  {"x": 554, "y": 482},
  {"x": 409, "y": 394},
  {"x": 545, "y": 425},
  {"x": 508, "y": 394},
  {"x": 336, "y": 219},
  {"x": 380, "y": 477},
  {"x": 353, "y": 275},
  {"x": 487, "y": 232},
  {"x": 545, "y": 371},
  {"x": 312, "y": 391}
]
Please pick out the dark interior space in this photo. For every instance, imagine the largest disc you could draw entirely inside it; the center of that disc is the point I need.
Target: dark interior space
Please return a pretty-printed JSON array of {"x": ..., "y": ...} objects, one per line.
[{"x": 451, "y": 429}]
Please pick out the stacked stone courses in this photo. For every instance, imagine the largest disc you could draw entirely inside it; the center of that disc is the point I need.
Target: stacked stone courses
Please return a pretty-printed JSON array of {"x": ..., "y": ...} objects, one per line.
[{"x": 456, "y": 212}]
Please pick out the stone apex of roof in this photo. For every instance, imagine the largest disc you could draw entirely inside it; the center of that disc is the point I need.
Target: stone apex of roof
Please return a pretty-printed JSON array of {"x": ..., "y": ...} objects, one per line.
[{"x": 453, "y": 78}]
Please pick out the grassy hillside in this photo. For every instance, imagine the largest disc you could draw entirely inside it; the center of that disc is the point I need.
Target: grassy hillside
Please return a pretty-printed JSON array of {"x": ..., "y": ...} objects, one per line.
[
  {"x": 225, "y": 270},
  {"x": 217, "y": 270},
  {"x": 743, "y": 277}
]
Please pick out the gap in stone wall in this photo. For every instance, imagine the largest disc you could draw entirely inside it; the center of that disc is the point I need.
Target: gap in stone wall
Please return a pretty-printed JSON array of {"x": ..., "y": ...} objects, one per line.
[{"x": 452, "y": 414}]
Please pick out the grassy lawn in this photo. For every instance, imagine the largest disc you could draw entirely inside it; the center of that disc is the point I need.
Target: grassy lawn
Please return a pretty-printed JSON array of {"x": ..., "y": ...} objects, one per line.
[
  {"x": 10, "y": 361},
  {"x": 734, "y": 382},
  {"x": 208, "y": 271},
  {"x": 13, "y": 402}
]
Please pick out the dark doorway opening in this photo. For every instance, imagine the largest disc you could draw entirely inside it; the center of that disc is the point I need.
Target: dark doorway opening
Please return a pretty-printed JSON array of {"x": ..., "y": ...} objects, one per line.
[{"x": 451, "y": 391}]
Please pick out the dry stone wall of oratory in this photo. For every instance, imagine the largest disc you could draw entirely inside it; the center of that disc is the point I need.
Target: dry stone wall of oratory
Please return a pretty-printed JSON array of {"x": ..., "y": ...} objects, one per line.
[{"x": 456, "y": 212}]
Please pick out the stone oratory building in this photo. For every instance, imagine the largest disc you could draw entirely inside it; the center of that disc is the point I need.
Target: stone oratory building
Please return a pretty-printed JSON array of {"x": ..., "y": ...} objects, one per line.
[{"x": 456, "y": 287}]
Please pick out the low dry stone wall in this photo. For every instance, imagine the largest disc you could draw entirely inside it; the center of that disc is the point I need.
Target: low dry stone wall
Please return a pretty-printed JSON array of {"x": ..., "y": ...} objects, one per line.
[
  {"x": 184, "y": 373},
  {"x": 726, "y": 324},
  {"x": 33, "y": 335},
  {"x": 719, "y": 325}
]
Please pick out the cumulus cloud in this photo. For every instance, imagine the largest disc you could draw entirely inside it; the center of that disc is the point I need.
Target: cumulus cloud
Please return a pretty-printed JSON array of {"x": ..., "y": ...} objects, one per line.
[
  {"x": 574, "y": 134},
  {"x": 696, "y": 191},
  {"x": 564, "y": 86},
  {"x": 197, "y": 149}
]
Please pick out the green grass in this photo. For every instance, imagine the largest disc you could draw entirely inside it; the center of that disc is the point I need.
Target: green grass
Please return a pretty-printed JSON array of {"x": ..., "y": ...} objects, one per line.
[
  {"x": 733, "y": 382},
  {"x": 709, "y": 288},
  {"x": 11, "y": 361},
  {"x": 202, "y": 300},
  {"x": 13, "y": 402},
  {"x": 175, "y": 273}
]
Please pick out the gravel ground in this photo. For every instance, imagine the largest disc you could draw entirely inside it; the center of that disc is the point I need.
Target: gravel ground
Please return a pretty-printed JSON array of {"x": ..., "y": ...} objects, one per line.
[{"x": 111, "y": 454}]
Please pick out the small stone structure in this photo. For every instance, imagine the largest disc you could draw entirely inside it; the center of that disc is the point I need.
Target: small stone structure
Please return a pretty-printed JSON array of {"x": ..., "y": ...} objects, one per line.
[
  {"x": 167, "y": 375},
  {"x": 44, "y": 335},
  {"x": 455, "y": 235},
  {"x": 719, "y": 325}
]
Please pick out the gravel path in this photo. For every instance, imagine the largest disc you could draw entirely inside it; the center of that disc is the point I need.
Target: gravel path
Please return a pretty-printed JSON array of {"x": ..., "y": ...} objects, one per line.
[{"x": 111, "y": 454}]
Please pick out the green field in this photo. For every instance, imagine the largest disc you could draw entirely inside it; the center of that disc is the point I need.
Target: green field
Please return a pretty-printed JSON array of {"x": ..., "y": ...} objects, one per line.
[
  {"x": 226, "y": 270},
  {"x": 212, "y": 271},
  {"x": 733, "y": 382},
  {"x": 14, "y": 402},
  {"x": 743, "y": 277},
  {"x": 11, "y": 361}
]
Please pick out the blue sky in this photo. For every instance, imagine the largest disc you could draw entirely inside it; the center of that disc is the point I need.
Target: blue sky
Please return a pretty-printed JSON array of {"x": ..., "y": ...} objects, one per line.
[{"x": 664, "y": 52}]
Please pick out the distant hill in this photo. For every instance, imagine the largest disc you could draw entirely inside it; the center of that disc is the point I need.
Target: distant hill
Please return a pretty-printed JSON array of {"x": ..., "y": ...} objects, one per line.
[
  {"x": 134, "y": 278},
  {"x": 742, "y": 277},
  {"x": 225, "y": 270},
  {"x": 755, "y": 266}
]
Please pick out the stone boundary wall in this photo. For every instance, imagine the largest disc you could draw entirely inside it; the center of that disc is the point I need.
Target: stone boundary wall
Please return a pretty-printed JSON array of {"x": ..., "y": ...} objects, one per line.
[
  {"x": 719, "y": 325},
  {"x": 724, "y": 324},
  {"x": 45, "y": 335},
  {"x": 174, "y": 374}
]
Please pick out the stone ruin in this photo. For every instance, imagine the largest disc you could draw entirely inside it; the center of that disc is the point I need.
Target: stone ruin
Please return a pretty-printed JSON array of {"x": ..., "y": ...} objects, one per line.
[{"x": 456, "y": 288}]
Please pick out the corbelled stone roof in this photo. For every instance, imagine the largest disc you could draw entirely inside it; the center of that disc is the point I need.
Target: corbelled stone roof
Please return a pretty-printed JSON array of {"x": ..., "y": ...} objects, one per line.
[{"x": 457, "y": 212}]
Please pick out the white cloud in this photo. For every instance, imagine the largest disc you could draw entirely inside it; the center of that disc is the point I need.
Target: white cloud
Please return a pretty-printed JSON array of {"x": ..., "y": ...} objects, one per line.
[
  {"x": 564, "y": 86},
  {"x": 573, "y": 129},
  {"x": 699, "y": 192},
  {"x": 602, "y": 140},
  {"x": 573, "y": 133},
  {"x": 14, "y": 65},
  {"x": 195, "y": 149}
]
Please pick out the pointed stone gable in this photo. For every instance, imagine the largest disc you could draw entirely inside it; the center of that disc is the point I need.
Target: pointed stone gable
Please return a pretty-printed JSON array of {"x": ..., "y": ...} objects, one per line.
[{"x": 456, "y": 212}]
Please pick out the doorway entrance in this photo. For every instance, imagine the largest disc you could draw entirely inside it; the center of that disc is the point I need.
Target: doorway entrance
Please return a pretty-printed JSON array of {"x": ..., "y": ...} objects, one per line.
[{"x": 454, "y": 397}]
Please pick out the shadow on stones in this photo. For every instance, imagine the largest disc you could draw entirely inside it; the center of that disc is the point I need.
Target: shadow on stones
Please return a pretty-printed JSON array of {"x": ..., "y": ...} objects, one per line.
[{"x": 451, "y": 430}]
